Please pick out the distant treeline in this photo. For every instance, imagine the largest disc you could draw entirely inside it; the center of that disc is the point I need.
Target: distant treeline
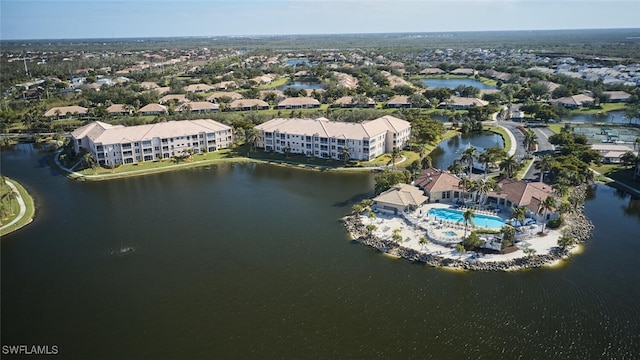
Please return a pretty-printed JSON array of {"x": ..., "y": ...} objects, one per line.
[{"x": 623, "y": 43}]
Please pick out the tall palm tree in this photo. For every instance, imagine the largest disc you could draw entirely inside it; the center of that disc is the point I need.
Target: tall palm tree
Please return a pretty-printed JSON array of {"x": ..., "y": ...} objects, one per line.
[
  {"x": 346, "y": 155},
  {"x": 251, "y": 136},
  {"x": 394, "y": 155},
  {"x": 484, "y": 187},
  {"x": 509, "y": 166},
  {"x": 544, "y": 164},
  {"x": 456, "y": 167},
  {"x": 469, "y": 155},
  {"x": 548, "y": 204},
  {"x": 485, "y": 159},
  {"x": 465, "y": 184},
  {"x": 529, "y": 139},
  {"x": 89, "y": 161},
  {"x": 519, "y": 213},
  {"x": 423, "y": 241},
  {"x": 426, "y": 162},
  {"x": 11, "y": 196},
  {"x": 468, "y": 219}
]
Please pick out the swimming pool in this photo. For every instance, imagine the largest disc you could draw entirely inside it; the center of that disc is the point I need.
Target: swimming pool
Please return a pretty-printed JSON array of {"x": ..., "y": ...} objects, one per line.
[{"x": 480, "y": 220}]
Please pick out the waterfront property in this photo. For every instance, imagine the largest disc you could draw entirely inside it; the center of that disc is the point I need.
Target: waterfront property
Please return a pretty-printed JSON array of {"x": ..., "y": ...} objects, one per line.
[
  {"x": 400, "y": 198},
  {"x": 117, "y": 144},
  {"x": 442, "y": 186},
  {"x": 333, "y": 139}
]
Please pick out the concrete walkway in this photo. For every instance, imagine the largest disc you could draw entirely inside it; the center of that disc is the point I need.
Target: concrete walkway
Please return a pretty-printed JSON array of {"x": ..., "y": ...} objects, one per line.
[{"x": 23, "y": 206}]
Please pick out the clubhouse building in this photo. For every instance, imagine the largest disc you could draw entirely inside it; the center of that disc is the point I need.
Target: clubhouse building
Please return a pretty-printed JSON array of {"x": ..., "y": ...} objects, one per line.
[
  {"x": 323, "y": 138},
  {"x": 117, "y": 144}
]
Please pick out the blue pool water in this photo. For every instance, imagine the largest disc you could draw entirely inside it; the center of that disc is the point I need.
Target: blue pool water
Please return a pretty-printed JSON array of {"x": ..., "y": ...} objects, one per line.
[
  {"x": 480, "y": 220},
  {"x": 450, "y": 233}
]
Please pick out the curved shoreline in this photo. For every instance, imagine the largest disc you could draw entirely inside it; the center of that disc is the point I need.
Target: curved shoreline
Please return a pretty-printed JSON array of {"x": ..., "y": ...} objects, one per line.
[
  {"x": 578, "y": 227},
  {"x": 26, "y": 212}
]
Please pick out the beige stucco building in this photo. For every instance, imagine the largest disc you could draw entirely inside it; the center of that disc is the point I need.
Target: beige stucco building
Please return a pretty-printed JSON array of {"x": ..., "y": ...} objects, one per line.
[
  {"x": 327, "y": 139},
  {"x": 117, "y": 144}
]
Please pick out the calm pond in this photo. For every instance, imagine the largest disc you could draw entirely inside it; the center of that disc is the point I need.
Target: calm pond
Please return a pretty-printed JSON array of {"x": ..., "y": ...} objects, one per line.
[
  {"x": 251, "y": 261},
  {"x": 454, "y": 83},
  {"x": 301, "y": 85}
]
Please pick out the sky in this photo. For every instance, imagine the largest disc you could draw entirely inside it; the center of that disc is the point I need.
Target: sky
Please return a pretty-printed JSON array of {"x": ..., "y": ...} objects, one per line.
[{"x": 49, "y": 19}]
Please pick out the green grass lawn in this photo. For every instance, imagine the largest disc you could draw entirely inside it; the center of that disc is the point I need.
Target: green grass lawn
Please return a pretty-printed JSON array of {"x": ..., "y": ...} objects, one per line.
[
  {"x": 619, "y": 173},
  {"x": 14, "y": 210},
  {"x": 502, "y": 132},
  {"x": 604, "y": 108}
]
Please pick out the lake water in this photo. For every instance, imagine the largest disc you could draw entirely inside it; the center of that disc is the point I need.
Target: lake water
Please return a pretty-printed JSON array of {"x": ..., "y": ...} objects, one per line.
[
  {"x": 613, "y": 117},
  {"x": 451, "y": 149},
  {"x": 454, "y": 83},
  {"x": 251, "y": 261},
  {"x": 301, "y": 85}
]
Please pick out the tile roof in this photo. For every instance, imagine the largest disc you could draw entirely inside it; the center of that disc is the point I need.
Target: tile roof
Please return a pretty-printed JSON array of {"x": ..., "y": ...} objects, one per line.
[
  {"x": 326, "y": 128},
  {"x": 107, "y": 134},
  {"x": 402, "y": 195},
  {"x": 74, "y": 109},
  {"x": 434, "y": 180}
]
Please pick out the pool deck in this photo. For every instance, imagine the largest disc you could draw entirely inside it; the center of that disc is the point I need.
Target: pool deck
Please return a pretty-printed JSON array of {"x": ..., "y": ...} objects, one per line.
[{"x": 415, "y": 225}]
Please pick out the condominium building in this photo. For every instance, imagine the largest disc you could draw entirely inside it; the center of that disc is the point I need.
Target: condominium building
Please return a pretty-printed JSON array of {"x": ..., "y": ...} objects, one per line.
[
  {"x": 118, "y": 144},
  {"x": 328, "y": 139}
]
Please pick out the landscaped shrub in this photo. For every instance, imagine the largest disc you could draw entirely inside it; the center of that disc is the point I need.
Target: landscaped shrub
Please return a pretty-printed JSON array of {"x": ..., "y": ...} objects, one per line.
[{"x": 555, "y": 223}]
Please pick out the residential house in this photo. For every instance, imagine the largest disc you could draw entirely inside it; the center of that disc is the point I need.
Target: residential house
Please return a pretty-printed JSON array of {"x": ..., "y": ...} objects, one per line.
[
  {"x": 329, "y": 139},
  {"x": 247, "y": 105},
  {"x": 462, "y": 103},
  {"x": 198, "y": 107},
  {"x": 112, "y": 145},
  {"x": 350, "y": 102},
  {"x": 611, "y": 153},
  {"x": 574, "y": 102},
  {"x": 439, "y": 185},
  {"x": 63, "y": 112},
  {"x": 224, "y": 85},
  {"x": 432, "y": 71},
  {"x": 463, "y": 71},
  {"x": 516, "y": 193},
  {"x": 400, "y": 101},
  {"x": 178, "y": 98},
  {"x": 400, "y": 198},
  {"x": 224, "y": 94},
  {"x": 119, "y": 110},
  {"x": 153, "y": 109},
  {"x": 617, "y": 96},
  {"x": 197, "y": 88},
  {"x": 299, "y": 103}
]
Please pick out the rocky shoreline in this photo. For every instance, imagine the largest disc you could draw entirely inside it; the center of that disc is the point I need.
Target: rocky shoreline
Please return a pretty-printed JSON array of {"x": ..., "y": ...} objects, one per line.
[{"x": 578, "y": 227}]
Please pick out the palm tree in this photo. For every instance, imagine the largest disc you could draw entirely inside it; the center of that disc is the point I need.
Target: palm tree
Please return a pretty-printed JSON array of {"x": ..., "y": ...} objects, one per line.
[
  {"x": 519, "y": 213},
  {"x": 565, "y": 208},
  {"x": 396, "y": 235},
  {"x": 251, "y": 136},
  {"x": 89, "y": 161},
  {"x": 372, "y": 216},
  {"x": 426, "y": 162},
  {"x": 564, "y": 242},
  {"x": 485, "y": 159},
  {"x": 346, "y": 155},
  {"x": 544, "y": 164},
  {"x": 628, "y": 158},
  {"x": 423, "y": 241},
  {"x": 456, "y": 167},
  {"x": 11, "y": 196},
  {"x": 484, "y": 187},
  {"x": 394, "y": 154},
  {"x": 465, "y": 184},
  {"x": 468, "y": 156},
  {"x": 529, "y": 139},
  {"x": 548, "y": 204},
  {"x": 509, "y": 166},
  {"x": 468, "y": 219}
]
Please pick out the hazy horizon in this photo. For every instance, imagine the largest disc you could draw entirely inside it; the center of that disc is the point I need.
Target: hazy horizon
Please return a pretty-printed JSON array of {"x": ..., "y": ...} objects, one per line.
[{"x": 98, "y": 19}]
